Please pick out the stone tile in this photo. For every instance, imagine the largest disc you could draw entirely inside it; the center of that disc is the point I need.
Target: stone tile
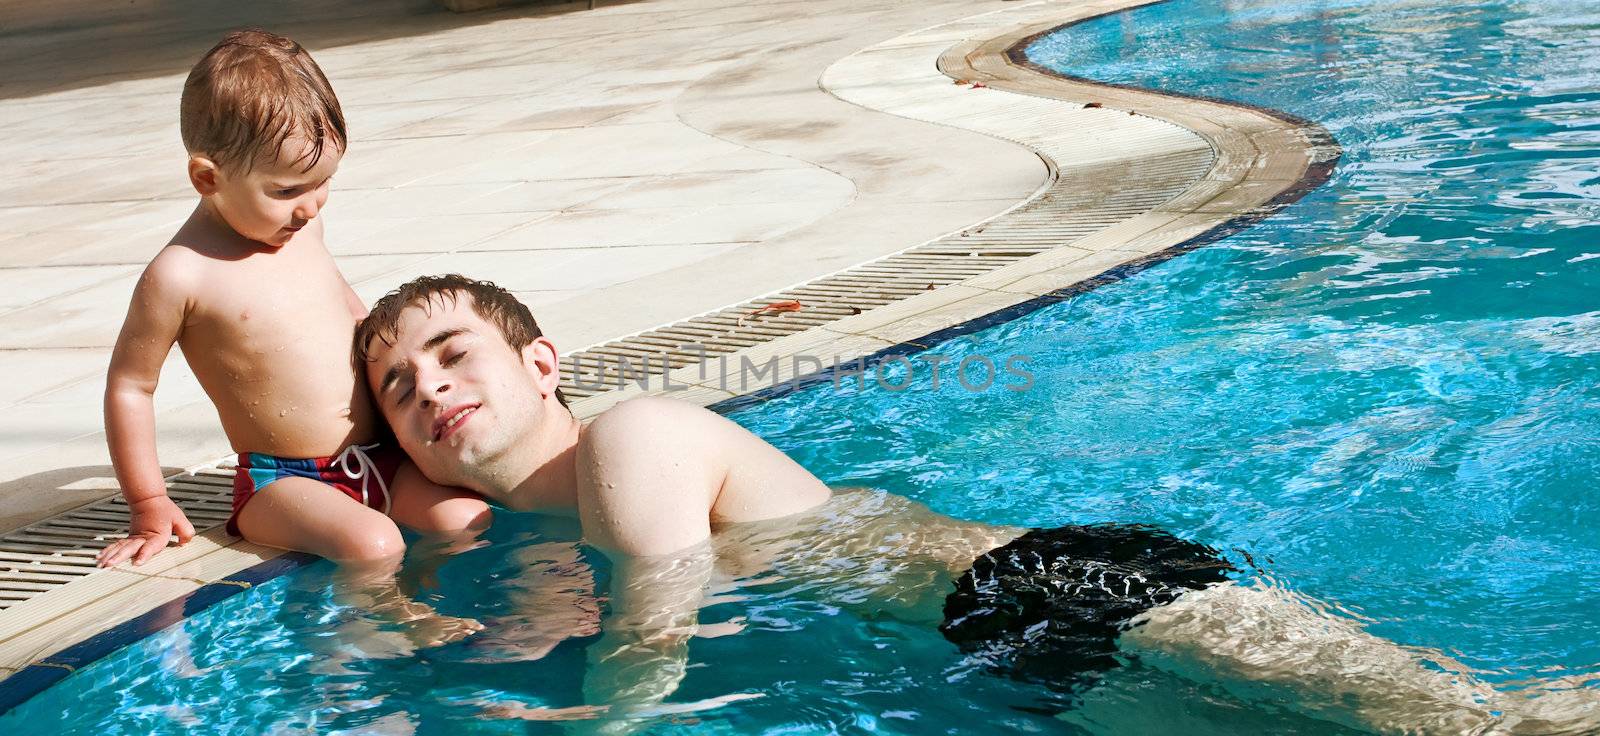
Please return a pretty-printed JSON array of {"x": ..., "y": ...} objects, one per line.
[
  {"x": 734, "y": 187},
  {"x": 181, "y": 561},
  {"x": 89, "y": 317},
  {"x": 187, "y": 435},
  {"x": 114, "y": 600},
  {"x": 435, "y": 234},
  {"x": 437, "y": 161},
  {"x": 434, "y": 199},
  {"x": 1059, "y": 278},
  {"x": 544, "y": 196},
  {"x": 914, "y": 328},
  {"x": 596, "y": 229},
  {"x": 30, "y": 373},
  {"x": 1176, "y": 232},
  {"x": 580, "y": 269},
  {"x": 363, "y": 268},
  {"x": 20, "y": 287},
  {"x": 208, "y": 564}
]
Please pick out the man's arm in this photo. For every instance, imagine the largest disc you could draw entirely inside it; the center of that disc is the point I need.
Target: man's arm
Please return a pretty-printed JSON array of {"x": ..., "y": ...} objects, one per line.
[
  {"x": 153, "y": 325},
  {"x": 643, "y": 651},
  {"x": 647, "y": 479}
]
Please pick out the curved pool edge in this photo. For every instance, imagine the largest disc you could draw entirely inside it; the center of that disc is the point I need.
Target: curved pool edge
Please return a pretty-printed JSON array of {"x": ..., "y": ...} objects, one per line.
[{"x": 1262, "y": 161}]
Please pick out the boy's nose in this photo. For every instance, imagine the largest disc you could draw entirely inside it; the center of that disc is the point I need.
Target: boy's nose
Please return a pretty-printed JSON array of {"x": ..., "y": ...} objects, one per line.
[{"x": 307, "y": 210}]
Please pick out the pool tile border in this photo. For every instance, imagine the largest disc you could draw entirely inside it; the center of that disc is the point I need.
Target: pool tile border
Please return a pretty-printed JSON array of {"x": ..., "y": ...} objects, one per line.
[{"x": 993, "y": 300}]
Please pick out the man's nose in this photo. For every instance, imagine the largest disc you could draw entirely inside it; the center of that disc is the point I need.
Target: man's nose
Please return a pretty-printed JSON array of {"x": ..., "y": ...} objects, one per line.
[{"x": 432, "y": 390}]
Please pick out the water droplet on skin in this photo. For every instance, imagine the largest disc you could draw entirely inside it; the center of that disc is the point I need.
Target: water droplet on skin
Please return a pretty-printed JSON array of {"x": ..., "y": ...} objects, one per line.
[{"x": 283, "y": 412}]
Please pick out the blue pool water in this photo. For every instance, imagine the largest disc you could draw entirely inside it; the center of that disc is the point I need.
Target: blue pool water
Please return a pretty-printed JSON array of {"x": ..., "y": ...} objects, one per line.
[{"x": 1384, "y": 396}]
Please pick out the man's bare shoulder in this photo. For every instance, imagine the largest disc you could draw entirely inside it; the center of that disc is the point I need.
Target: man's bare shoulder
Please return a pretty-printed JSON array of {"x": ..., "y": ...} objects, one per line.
[
  {"x": 657, "y": 438},
  {"x": 653, "y": 419}
]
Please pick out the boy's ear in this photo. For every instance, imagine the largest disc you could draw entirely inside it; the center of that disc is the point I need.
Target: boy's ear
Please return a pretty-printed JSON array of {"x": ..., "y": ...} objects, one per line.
[
  {"x": 543, "y": 365},
  {"x": 203, "y": 174}
]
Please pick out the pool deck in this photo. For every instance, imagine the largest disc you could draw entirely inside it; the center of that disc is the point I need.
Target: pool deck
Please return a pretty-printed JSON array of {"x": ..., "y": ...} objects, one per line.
[{"x": 619, "y": 169}]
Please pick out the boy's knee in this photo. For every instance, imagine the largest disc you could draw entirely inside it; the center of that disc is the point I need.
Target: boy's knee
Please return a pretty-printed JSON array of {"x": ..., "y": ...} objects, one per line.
[{"x": 370, "y": 542}]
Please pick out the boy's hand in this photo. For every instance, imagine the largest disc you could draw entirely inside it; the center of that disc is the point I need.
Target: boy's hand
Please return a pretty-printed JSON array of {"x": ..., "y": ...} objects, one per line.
[{"x": 154, "y": 522}]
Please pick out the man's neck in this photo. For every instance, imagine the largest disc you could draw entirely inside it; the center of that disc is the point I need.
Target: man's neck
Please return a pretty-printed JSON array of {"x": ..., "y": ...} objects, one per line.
[{"x": 553, "y": 486}]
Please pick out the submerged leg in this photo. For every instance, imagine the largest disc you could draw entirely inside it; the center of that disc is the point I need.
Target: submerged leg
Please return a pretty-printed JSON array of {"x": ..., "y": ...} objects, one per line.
[
  {"x": 1265, "y": 639},
  {"x": 309, "y": 516}
]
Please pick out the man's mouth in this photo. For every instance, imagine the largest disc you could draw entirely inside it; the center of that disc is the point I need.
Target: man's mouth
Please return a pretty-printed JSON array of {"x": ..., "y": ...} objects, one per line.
[{"x": 448, "y": 422}]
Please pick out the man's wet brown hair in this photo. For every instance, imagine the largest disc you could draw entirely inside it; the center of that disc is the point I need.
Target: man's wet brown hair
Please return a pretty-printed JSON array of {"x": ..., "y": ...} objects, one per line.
[
  {"x": 494, "y": 304},
  {"x": 250, "y": 93}
]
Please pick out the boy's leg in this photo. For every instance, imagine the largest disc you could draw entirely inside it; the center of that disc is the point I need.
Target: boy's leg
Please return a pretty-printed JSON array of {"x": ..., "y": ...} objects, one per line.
[
  {"x": 311, "y": 516},
  {"x": 420, "y": 504}
]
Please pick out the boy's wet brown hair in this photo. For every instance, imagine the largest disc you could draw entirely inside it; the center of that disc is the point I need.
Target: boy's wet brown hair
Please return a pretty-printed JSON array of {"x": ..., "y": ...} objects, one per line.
[
  {"x": 494, "y": 304},
  {"x": 250, "y": 93}
]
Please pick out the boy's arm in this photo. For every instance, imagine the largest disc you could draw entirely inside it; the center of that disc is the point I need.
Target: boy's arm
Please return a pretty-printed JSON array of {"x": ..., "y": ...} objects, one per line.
[
  {"x": 358, "y": 308},
  {"x": 154, "y": 322}
]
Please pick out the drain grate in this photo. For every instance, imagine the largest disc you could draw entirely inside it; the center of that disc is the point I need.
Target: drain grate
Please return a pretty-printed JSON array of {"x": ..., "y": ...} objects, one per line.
[
  {"x": 51, "y": 553},
  {"x": 1065, "y": 211}
]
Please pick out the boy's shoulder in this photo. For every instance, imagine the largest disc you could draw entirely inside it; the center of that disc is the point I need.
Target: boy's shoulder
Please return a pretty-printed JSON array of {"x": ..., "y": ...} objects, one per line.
[
  {"x": 177, "y": 266},
  {"x": 179, "y": 274}
]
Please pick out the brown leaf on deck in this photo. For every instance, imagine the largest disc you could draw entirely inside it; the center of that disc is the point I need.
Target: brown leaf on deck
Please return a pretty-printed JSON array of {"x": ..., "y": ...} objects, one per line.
[{"x": 773, "y": 308}]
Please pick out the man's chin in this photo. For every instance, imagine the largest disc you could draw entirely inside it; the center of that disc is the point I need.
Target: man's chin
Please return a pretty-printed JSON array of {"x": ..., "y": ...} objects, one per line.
[{"x": 447, "y": 464}]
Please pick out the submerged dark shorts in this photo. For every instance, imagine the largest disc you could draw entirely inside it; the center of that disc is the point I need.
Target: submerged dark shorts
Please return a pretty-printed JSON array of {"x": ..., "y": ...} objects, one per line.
[{"x": 1049, "y": 606}]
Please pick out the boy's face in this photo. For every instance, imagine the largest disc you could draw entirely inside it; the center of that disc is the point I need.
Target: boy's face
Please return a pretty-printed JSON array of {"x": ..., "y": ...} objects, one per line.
[{"x": 272, "y": 201}]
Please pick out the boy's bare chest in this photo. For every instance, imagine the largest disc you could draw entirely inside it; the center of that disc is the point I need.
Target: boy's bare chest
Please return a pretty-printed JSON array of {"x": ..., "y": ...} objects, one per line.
[{"x": 278, "y": 303}]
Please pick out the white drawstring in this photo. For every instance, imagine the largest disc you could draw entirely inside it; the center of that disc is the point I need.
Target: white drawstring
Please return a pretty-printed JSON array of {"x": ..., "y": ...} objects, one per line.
[{"x": 364, "y": 471}]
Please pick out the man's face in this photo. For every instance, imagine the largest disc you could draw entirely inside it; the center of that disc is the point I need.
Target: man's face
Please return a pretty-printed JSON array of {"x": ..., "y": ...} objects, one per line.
[
  {"x": 456, "y": 395},
  {"x": 271, "y": 202}
]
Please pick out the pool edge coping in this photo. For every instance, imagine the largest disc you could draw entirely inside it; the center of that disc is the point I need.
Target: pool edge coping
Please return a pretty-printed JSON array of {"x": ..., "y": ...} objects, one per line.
[{"x": 997, "y": 61}]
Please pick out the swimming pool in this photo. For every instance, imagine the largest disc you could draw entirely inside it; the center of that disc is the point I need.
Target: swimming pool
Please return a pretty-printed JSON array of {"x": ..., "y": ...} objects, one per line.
[{"x": 1383, "y": 395}]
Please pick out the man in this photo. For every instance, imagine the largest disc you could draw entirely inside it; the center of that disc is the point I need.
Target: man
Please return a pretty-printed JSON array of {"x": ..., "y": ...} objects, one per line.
[{"x": 668, "y": 490}]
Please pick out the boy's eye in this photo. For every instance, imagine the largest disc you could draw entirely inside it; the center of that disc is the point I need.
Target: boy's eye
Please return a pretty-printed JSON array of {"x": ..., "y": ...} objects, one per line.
[{"x": 287, "y": 192}]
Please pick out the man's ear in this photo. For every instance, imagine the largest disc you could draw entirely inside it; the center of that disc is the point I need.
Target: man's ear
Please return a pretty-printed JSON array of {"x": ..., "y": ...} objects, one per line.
[
  {"x": 543, "y": 365},
  {"x": 203, "y": 173}
]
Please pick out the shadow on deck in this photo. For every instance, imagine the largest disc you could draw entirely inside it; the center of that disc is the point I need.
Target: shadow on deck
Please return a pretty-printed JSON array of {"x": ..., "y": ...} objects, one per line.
[{"x": 49, "y": 46}]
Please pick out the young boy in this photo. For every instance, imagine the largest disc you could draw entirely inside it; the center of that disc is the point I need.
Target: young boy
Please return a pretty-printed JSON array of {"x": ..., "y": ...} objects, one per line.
[{"x": 250, "y": 293}]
